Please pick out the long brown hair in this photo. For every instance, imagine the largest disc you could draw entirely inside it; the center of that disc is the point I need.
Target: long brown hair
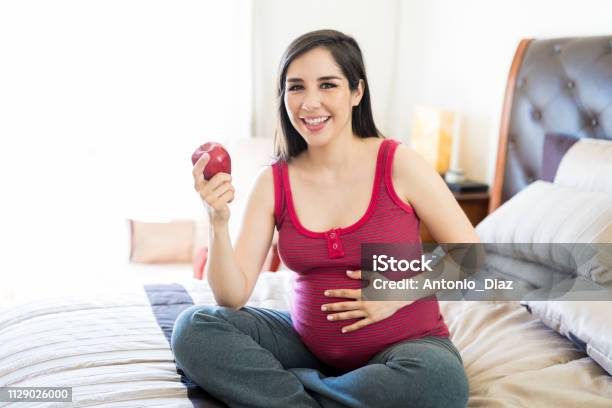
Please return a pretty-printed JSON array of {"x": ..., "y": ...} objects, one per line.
[{"x": 346, "y": 52}]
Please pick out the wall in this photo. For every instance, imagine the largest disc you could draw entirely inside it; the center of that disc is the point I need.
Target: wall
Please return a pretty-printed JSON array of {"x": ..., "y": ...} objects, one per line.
[
  {"x": 101, "y": 105},
  {"x": 277, "y": 22},
  {"x": 100, "y": 100},
  {"x": 456, "y": 54}
]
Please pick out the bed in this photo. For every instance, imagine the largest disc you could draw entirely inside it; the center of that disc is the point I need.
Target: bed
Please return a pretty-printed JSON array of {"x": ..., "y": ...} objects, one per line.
[{"x": 113, "y": 349}]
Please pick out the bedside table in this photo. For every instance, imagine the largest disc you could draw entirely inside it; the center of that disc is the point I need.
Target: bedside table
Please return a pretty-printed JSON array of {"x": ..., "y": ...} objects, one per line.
[{"x": 475, "y": 206}]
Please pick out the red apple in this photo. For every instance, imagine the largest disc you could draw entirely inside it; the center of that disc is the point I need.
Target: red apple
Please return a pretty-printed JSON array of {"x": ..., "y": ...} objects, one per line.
[{"x": 219, "y": 159}]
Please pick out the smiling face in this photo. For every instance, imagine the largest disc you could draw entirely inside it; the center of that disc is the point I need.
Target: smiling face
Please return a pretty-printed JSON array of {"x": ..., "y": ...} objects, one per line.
[{"x": 318, "y": 99}]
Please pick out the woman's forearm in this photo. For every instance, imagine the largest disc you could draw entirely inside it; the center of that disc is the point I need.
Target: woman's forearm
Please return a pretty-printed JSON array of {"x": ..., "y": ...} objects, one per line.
[{"x": 225, "y": 277}]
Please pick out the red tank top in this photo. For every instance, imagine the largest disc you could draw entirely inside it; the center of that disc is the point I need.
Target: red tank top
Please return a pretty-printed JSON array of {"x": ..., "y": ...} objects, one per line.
[{"x": 321, "y": 260}]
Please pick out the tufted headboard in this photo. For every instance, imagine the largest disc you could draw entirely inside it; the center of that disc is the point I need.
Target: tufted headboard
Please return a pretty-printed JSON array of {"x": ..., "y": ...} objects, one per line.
[{"x": 555, "y": 85}]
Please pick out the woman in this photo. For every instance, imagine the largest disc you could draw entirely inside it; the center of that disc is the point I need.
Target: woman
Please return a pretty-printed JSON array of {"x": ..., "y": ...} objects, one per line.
[{"x": 337, "y": 184}]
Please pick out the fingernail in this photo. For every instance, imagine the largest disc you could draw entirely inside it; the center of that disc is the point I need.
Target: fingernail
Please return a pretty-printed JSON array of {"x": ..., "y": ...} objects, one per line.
[
  {"x": 349, "y": 272},
  {"x": 330, "y": 317},
  {"x": 326, "y": 293},
  {"x": 323, "y": 308},
  {"x": 343, "y": 330}
]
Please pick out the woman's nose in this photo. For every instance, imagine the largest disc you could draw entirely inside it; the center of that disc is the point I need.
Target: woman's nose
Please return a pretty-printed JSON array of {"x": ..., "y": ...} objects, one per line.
[{"x": 311, "y": 101}]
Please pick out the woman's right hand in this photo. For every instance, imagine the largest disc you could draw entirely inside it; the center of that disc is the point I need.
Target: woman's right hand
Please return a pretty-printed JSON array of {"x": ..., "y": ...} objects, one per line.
[{"x": 216, "y": 193}]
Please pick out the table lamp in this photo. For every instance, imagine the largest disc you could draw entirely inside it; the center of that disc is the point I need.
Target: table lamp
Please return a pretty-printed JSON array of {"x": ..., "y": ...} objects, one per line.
[{"x": 436, "y": 137}]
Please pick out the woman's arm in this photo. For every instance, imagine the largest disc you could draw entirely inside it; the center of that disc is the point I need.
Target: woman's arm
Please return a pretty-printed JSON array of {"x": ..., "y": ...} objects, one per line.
[
  {"x": 418, "y": 183},
  {"x": 232, "y": 273}
]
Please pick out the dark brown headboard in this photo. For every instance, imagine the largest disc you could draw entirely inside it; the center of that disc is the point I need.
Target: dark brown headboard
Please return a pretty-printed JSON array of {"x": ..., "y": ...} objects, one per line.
[{"x": 555, "y": 85}]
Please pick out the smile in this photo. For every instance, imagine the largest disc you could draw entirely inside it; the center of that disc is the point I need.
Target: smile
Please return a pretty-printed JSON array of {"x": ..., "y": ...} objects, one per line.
[{"x": 315, "y": 124}]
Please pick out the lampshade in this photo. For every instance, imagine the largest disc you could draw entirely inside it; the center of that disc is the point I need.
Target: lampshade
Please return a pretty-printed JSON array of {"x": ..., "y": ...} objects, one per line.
[{"x": 432, "y": 135}]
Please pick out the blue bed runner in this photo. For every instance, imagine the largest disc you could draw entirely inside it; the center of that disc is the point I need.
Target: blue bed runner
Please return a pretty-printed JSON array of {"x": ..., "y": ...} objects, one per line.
[{"x": 167, "y": 302}]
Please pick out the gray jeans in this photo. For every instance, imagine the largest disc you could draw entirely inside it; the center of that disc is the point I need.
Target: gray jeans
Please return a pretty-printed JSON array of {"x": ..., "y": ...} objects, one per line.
[{"x": 253, "y": 357}]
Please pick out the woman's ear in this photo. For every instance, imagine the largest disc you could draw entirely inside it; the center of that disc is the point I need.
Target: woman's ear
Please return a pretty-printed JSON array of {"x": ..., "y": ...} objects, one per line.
[{"x": 358, "y": 93}]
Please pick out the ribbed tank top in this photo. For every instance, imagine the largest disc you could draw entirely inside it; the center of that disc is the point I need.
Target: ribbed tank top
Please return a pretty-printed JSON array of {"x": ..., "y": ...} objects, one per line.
[{"x": 321, "y": 260}]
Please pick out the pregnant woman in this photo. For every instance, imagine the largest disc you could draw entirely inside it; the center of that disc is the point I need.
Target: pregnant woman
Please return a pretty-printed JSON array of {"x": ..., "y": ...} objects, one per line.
[{"x": 337, "y": 183}]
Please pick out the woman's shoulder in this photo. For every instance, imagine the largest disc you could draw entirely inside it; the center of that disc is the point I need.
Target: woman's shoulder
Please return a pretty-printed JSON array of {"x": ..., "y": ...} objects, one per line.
[
  {"x": 406, "y": 152},
  {"x": 265, "y": 178},
  {"x": 411, "y": 173},
  {"x": 262, "y": 189}
]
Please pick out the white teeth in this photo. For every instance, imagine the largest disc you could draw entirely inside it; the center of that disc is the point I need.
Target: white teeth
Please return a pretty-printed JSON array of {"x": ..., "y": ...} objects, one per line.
[{"x": 316, "y": 121}]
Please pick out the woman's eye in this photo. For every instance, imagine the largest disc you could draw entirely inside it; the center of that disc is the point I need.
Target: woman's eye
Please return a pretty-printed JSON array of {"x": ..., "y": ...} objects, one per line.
[{"x": 325, "y": 85}]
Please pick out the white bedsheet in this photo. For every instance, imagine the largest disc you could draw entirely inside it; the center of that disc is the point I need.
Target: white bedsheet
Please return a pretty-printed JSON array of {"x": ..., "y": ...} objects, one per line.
[{"x": 513, "y": 360}]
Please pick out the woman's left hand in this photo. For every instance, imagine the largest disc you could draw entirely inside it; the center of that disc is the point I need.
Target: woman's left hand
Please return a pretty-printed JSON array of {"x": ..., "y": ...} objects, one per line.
[{"x": 371, "y": 311}]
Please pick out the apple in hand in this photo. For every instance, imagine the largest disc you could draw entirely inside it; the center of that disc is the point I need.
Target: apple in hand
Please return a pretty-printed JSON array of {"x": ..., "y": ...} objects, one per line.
[{"x": 219, "y": 160}]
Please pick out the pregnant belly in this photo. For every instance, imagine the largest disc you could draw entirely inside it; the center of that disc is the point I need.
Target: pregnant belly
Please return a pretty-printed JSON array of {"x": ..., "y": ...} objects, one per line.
[{"x": 347, "y": 351}]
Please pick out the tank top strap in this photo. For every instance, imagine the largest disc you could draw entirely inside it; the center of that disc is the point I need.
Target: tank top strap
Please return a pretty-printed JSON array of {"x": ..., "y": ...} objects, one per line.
[
  {"x": 279, "y": 192},
  {"x": 387, "y": 159},
  {"x": 388, "y": 176}
]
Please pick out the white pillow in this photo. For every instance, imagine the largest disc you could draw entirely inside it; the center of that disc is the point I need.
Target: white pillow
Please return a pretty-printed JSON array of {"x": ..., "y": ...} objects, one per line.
[
  {"x": 161, "y": 242},
  {"x": 587, "y": 166},
  {"x": 586, "y": 323},
  {"x": 545, "y": 213}
]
